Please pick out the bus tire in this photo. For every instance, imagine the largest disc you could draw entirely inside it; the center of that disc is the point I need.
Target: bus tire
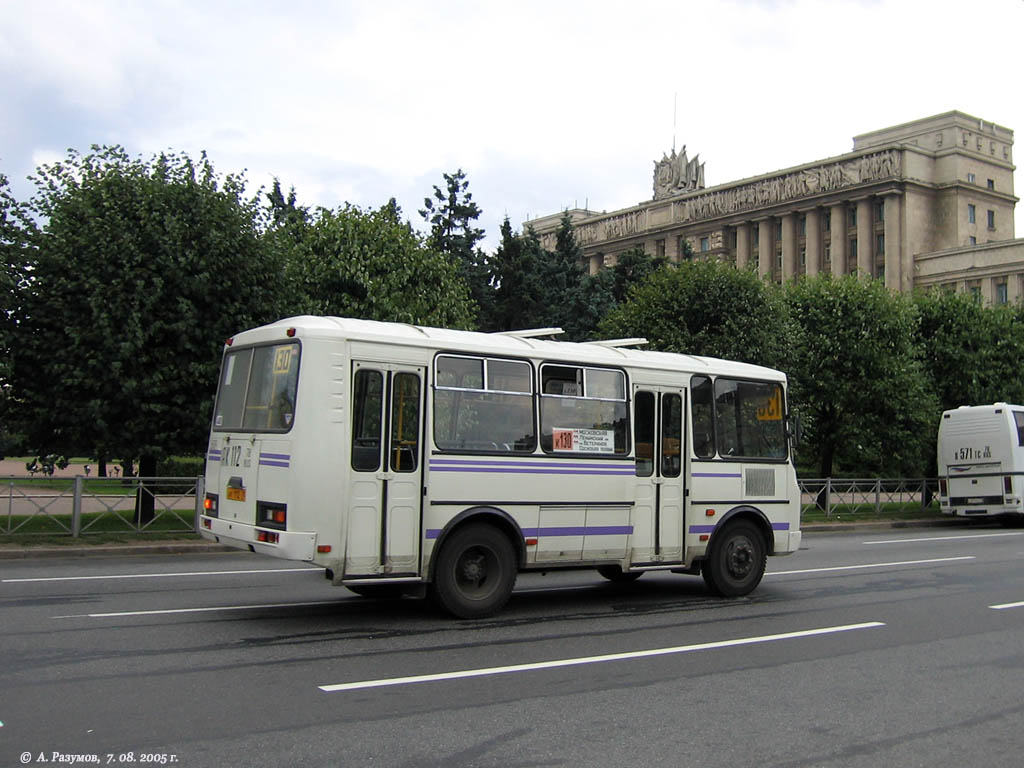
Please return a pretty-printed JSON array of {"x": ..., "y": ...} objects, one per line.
[
  {"x": 475, "y": 572},
  {"x": 616, "y": 574},
  {"x": 735, "y": 565}
]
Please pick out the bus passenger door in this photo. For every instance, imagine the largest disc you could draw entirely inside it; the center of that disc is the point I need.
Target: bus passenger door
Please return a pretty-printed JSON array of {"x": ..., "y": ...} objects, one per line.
[
  {"x": 660, "y": 476},
  {"x": 386, "y": 472}
]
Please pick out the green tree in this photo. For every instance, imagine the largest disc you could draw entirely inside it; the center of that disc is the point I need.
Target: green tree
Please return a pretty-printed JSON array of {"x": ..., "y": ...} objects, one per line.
[
  {"x": 371, "y": 264},
  {"x": 858, "y": 379},
  {"x": 971, "y": 352},
  {"x": 15, "y": 231},
  {"x": 705, "y": 308},
  {"x": 452, "y": 214},
  {"x": 141, "y": 270},
  {"x": 518, "y": 284}
]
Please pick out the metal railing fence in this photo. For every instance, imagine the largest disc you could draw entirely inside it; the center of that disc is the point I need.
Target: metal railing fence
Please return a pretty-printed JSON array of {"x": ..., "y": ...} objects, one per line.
[
  {"x": 866, "y": 497},
  {"x": 80, "y": 506}
]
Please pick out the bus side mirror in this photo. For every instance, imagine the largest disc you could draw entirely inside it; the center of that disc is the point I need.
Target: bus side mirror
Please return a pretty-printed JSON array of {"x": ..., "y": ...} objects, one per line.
[{"x": 794, "y": 428}]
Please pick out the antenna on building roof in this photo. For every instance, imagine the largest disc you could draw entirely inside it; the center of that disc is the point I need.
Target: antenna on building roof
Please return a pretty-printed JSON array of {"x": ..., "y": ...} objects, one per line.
[{"x": 675, "y": 101}]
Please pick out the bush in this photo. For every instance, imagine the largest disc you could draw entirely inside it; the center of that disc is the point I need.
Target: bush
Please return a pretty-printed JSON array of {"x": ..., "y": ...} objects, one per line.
[{"x": 181, "y": 466}]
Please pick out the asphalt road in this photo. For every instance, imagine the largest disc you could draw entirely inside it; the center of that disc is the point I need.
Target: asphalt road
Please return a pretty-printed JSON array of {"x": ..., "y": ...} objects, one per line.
[{"x": 865, "y": 649}]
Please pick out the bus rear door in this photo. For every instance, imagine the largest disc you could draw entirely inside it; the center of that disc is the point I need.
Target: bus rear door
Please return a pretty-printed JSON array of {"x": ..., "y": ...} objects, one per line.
[
  {"x": 386, "y": 471},
  {"x": 660, "y": 481}
]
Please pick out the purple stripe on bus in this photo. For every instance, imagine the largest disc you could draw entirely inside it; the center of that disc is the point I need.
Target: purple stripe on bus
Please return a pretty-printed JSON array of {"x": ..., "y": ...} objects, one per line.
[
  {"x": 510, "y": 470},
  {"x": 593, "y": 530},
  {"x": 716, "y": 474},
  {"x": 284, "y": 456},
  {"x": 274, "y": 463},
  {"x": 469, "y": 463}
]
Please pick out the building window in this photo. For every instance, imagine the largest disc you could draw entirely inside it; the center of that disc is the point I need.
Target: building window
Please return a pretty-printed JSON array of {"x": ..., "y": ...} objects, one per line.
[
  {"x": 1001, "y": 293},
  {"x": 827, "y": 221},
  {"x": 853, "y": 217},
  {"x": 880, "y": 210},
  {"x": 705, "y": 245},
  {"x": 853, "y": 249},
  {"x": 803, "y": 258},
  {"x": 828, "y": 255},
  {"x": 803, "y": 226},
  {"x": 970, "y": 213},
  {"x": 972, "y": 240},
  {"x": 990, "y": 183},
  {"x": 880, "y": 244},
  {"x": 991, "y": 219},
  {"x": 880, "y": 272},
  {"x": 778, "y": 231},
  {"x": 974, "y": 288},
  {"x": 970, "y": 178},
  {"x": 659, "y": 249}
]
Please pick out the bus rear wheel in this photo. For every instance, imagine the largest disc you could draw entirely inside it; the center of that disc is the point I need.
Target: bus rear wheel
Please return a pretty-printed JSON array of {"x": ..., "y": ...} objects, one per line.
[
  {"x": 475, "y": 572},
  {"x": 736, "y": 562}
]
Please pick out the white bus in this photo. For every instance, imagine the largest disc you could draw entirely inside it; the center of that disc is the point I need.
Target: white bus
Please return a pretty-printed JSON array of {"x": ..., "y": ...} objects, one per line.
[
  {"x": 981, "y": 461},
  {"x": 405, "y": 459}
]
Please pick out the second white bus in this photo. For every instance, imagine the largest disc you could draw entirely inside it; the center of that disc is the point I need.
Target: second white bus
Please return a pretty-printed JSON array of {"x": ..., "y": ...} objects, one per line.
[
  {"x": 406, "y": 459},
  {"x": 981, "y": 462}
]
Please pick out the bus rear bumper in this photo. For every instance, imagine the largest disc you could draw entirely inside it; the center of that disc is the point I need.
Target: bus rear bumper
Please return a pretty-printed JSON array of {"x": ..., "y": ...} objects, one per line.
[{"x": 290, "y": 545}]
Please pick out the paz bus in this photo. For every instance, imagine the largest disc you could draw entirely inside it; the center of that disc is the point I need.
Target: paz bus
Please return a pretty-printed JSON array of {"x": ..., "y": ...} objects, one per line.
[
  {"x": 414, "y": 460},
  {"x": 981, "y": 461}
]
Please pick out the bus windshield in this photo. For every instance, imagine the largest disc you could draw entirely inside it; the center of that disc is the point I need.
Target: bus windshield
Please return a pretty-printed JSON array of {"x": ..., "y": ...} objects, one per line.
[{"x": 257, "y": 389}]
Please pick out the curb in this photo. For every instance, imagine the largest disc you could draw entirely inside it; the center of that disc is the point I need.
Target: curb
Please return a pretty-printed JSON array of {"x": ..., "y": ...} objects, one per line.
[{"x": 113, "y": 550}]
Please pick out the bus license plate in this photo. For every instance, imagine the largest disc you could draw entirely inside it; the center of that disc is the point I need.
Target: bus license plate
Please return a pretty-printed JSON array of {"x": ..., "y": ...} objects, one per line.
[{"x": 236, "y": 494}]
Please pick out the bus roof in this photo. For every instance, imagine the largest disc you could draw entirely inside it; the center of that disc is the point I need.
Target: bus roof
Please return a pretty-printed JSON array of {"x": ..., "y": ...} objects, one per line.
[{"x": 373, "y": 331}]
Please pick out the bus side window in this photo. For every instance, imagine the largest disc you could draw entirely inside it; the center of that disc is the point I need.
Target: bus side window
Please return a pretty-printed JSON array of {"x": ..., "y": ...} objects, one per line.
[
  {"x": 1019, "y": 419},
  {"x": 366, "y": 422},
  {"x": 643, "y": 433},
  {"x": 701, "y": 397}
]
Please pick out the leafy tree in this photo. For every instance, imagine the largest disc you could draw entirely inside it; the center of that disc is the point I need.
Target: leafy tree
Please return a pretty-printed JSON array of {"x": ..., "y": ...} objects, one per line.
[
  {"x": 15, "y": 257},
  {"x": 858, "y": 379},
  {"x": 971, "y": 352},
  {"x": 705, "y": 308},
  {"x": 562, "y": 278},
  {"x": 371, "y": 264},
  {"x": 518, "y": 284},
  {"x": 633, "y": 267},
  {"x": 141, "y": 270},
  {"x": 452, "y": 215}
]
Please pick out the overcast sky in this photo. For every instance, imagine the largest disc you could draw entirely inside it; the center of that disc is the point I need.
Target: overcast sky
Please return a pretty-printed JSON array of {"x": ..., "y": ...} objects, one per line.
[{"x": 545, "y": 105}]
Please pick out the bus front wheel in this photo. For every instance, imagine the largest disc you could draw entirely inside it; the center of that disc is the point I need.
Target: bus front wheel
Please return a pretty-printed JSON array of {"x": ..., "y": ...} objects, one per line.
[
  {"x": 475, "y": 572},
  {"x": 736, "y": 562}
]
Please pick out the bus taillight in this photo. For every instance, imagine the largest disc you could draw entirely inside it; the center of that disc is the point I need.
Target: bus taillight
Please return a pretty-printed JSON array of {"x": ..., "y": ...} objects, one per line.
[
  {"x": 1008, "y": 484},
  {"x": 210, "y": 505},
  {"x": 942, "y": 486},
  {"x": 272, "y": 515}
]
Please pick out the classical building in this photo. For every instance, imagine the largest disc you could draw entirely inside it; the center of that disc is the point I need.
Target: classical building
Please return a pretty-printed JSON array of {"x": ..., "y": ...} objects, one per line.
[{"x": 926, "y": 203}]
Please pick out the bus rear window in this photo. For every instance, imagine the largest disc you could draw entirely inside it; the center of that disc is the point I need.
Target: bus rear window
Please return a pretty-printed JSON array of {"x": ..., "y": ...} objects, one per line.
[{"x": 257, "y": 389}]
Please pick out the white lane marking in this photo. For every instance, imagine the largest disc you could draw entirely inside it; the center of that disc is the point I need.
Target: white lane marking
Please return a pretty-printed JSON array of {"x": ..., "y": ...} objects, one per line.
[
  {"x": 118, "y": 614},
  {"x": 593, "y": 659},
  {"x": 945, "y": 538},
  {"x": 158, "y": 575},
  {"x": 871, "y": 565},
  {"x": 1004, "y": 606}
]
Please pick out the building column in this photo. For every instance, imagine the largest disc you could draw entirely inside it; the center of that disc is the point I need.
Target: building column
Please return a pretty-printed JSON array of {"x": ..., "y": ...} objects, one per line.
[
  {"x": 814, "y": 241},
  {"x": 790, "y": 257},
  {"x": 837, "y": 244},
  {"x": 743, "y": 247},
  {"x": 765, "y": 245},
  {"x": 865, "y": 235},
  {"x": 899, "y": 275}
]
